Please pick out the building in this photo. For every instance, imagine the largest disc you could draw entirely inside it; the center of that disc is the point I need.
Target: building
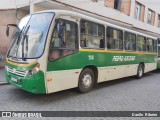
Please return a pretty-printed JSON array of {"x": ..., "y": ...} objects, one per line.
[{"x": 143, "y": 15}]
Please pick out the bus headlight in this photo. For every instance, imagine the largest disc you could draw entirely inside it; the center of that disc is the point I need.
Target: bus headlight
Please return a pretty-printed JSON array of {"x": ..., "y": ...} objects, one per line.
[{"x": 35, "y": 69}]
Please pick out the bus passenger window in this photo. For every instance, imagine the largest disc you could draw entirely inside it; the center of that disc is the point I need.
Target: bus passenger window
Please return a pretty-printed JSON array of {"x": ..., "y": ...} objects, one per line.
[
  {"x": 130, "y": 41},
  {"x": 150, "y": 45},
  {"x": 92, "y": 35},
  {"x": 114, "y": 39},
  {"x": 101, "y": 45},
  {"x": 83, "y": 40},
  {"x": 141, "y": 43},
  {"x": 155, "y": 46},
  {"x": 64, "y": 39},
  {"x": 158, "y": 42}
]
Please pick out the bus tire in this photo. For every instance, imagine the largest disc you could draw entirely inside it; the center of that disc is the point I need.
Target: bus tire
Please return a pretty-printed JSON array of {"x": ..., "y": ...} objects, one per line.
[
  {"x": 86, "y": 80},
  {"x": 140, "y": 71}
]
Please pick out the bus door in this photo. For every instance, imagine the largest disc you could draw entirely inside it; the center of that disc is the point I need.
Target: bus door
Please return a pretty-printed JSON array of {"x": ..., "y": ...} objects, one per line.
[{"x": 63, "y": 47}]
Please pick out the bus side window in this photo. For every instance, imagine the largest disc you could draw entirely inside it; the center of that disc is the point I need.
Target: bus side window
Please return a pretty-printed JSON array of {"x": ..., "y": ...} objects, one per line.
[
  {"x": 92, "y": 35},
  {"x": 150, "y": 45},
  {"x": 64, "y": 40},
  {"x": 155, "y": 46},
  {"x": 130, "y": 41},
  {"x": 158, "y": 42},
  {"x": 101, "y": 32},
  {"x": 114, "y": 39},
  {"x": 101, "y": 45},
  {"x": 83, "y": 34},
  {"x": 140, "y": 43}
]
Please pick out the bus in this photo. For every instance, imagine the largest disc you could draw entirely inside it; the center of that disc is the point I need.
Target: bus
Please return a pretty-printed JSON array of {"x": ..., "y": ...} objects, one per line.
[{"x": 55, "y": 50}]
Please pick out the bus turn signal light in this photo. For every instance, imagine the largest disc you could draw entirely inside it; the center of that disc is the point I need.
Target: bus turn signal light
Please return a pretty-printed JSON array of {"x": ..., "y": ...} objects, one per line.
[{"x": 49, "y": 79}]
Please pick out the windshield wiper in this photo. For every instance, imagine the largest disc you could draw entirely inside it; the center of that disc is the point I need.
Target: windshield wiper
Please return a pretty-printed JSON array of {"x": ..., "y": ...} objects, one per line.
[
  {"x": 19, "y": 36},
  {"x": 18, "y": 40}
]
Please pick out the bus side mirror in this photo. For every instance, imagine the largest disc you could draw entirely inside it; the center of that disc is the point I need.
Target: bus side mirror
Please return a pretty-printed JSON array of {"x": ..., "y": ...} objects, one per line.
[{"x": 7, "y": 31}]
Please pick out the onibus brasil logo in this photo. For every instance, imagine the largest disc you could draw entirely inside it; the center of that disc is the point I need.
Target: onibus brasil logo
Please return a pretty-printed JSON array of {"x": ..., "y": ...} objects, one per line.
[{"x": 124, "y": 58}]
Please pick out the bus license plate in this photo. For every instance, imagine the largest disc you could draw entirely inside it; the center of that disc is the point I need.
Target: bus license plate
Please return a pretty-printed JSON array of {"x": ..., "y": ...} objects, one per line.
[{"x": 14, "y": 79}]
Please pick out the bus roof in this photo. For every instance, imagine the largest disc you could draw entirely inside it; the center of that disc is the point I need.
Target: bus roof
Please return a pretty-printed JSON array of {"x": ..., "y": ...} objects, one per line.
[{"x": 81, "y": 16}]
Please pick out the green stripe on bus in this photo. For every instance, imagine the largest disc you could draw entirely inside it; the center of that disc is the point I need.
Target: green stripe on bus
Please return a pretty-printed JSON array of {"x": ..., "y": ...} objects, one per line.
[{"x": 100, "y": 59}]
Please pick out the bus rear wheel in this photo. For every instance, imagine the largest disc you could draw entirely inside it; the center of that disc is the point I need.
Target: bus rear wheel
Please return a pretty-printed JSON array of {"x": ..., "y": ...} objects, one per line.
[
  {"x": 86, "y": 80},
  {"x": 140, "y": 71}
]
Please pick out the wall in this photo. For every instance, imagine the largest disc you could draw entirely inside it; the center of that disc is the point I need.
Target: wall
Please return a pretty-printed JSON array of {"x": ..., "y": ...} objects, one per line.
[
  {"x": 109, "y": 3},
  {"x": 108, "y": 12},
  {"x": 142, "y": 13},
  {"x": 35, "y": 8},
  {"x": 126, "y": 6},
  {"x": 7, "y": 4},
  {"x": 8, "y": 17}
]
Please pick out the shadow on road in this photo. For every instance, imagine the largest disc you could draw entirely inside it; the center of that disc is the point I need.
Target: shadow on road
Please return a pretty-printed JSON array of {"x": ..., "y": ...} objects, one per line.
[{"x": 62, "y": 95}]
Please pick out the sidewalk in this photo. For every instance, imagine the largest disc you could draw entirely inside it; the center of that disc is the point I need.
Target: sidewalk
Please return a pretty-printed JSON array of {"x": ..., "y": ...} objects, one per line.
[{"x": 2, "y": 76}]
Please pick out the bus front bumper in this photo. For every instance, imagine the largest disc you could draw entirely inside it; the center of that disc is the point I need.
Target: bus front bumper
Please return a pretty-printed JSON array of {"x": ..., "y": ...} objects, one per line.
[{"x": 34, "y": 84}]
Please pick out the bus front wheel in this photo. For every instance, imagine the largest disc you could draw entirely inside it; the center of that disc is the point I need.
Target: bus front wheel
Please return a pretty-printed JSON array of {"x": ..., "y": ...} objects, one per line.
[
  {"x": 86, "y": 80},
  {"x": 140, "y": 71}
]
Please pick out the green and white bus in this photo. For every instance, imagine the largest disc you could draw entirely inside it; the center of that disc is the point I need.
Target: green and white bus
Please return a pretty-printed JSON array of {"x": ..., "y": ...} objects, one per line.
[{"x": 56, "y": 50}]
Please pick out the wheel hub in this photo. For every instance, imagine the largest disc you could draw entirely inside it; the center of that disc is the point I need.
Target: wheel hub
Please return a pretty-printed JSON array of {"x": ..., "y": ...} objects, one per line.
[{"x": 87, "y": 80}]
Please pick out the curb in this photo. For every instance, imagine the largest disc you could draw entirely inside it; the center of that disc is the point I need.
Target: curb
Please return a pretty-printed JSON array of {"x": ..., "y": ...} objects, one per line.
[{"x": 3, "y": 83}]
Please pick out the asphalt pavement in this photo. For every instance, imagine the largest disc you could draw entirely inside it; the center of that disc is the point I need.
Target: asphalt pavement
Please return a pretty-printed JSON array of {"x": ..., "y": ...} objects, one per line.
[
  {"x": 2, "y": 76},
  {"x": 126, "y": 94}
]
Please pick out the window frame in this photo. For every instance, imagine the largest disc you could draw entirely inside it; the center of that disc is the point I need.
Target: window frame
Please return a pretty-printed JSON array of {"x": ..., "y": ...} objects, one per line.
[
  {"x": 118, "y": 7},
  {"x": 138, "y": 16},
  {"x": 112, "y": 38},
  {"x": 150, "y": 12},
  {"x": 93, "y": 35}
]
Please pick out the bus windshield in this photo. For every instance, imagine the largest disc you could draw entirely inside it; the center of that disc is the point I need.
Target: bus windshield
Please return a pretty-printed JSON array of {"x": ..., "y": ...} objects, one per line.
[{"x": 30, "y": 36}]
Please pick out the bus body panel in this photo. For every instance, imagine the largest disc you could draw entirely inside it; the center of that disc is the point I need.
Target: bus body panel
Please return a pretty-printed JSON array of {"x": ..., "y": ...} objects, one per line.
[
  {"x": 158, "y": 65},
  {"x": 62, "y": 80},
  {"x": 65, "y": 74}
]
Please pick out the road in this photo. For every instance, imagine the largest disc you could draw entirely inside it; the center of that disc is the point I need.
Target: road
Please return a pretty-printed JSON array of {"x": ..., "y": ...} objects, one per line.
[
  {"x": 127, "y": 94},
  {"x": 2, "y": 76}
]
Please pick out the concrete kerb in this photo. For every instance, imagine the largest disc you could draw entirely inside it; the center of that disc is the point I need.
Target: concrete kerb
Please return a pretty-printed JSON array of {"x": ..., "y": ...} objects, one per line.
[{"x": 3, "y": 83}]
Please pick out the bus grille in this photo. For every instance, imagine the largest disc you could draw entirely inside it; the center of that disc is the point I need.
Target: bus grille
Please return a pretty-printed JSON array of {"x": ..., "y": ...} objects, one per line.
[{"x": 16, "y": 72}]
